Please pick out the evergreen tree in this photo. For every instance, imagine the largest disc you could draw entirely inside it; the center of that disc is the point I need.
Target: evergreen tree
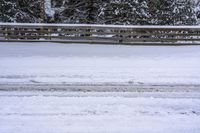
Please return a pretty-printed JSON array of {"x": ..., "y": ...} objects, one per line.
[
  {"x": 184, "y": 13},
  {"x": 29, "y": 11},
  {"x": 161, "y": 12},
  {"x": 197, "y": 11},
  {"x": 134, "y": 12},
  {"x": 79, "y": 11},
  {"x": 19, "y": 11},
  {"x": 124, "y": 12},
  {"x": 7, "y": 11}
]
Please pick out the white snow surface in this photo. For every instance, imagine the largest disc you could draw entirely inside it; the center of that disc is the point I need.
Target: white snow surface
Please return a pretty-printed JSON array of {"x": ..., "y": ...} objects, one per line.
[
  {"x": 61, "y": 113},
  {"x": 98, "y": 64},
  {"x": 98, "y": 112}
]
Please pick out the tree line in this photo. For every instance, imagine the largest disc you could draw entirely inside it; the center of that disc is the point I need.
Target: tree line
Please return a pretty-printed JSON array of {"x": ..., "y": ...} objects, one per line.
[{"x": 130, "y": 12}]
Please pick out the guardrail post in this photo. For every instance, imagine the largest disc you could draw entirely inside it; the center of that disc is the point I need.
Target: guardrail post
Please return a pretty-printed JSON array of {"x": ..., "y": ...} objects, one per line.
[
  {"x": 120, "y": 36},
  {"x": 6, "y": 33},
  {"x": 49, "y": 32}
]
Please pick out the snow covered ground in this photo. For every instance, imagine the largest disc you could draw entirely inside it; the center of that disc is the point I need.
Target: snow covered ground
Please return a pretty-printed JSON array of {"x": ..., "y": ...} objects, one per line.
[
  {"x": 53, "y": 112},
  {"x": 38, "y": 63},
  {"x": 77, "y": 68}
]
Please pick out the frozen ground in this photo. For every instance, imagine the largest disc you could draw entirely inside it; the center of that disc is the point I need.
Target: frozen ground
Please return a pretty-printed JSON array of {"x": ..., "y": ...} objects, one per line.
[
  {"x": 22, "y": 112},
  {"x": 44, "y": 63}
]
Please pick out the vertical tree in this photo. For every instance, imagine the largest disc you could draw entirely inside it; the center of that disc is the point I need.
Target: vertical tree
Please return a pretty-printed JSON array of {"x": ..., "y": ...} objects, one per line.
[
  {"x": 142, "y": 11},
  {"x": 79, "y": 11},
  {"x": 20, "y": 11},
  {"x": 91, "y": 7},
  {"x": 28, "y": 11},
  {"x": 7, "y": 11},
  {"x": 184, "y": 13},
  {"x": 123, "y": 12},
  {"x": 197, "y": 11},
  {"x": 161, "y": 12}
]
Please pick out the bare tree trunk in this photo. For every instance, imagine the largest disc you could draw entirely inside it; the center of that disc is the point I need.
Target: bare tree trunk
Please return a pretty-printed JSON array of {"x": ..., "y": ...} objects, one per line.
[
  {"x": 91, "y": 12},
  {"x": 42, "y": 12}
]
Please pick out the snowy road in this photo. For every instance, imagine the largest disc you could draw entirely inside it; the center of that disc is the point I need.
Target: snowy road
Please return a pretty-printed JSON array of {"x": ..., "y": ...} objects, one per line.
[
  {"x": 46, "y": 88},
  {"x": 28, "y": 112},
  {"x": 43, "y": 63}
]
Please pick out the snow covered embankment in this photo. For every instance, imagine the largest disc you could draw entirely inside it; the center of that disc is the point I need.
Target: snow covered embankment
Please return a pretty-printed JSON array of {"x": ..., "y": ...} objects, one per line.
[{"x": 39, "y": 63}]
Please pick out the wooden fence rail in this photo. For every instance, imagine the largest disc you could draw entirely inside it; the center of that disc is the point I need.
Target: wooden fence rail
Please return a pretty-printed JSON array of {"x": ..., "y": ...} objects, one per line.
[{"x": 114, "y": 34}]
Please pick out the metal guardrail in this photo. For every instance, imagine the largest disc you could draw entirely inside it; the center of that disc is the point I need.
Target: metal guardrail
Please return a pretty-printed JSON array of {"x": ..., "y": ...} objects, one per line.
[{"x": 113, "y": 34}]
